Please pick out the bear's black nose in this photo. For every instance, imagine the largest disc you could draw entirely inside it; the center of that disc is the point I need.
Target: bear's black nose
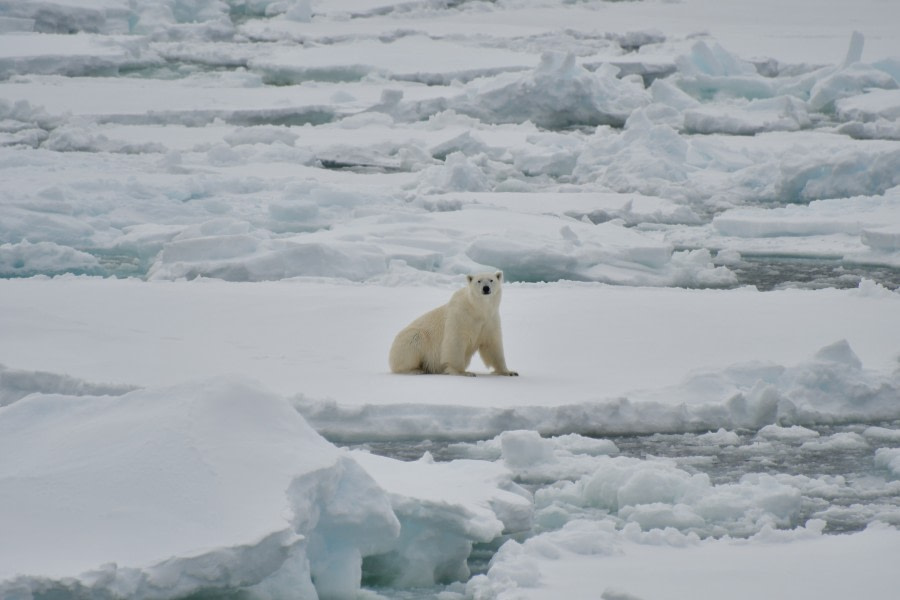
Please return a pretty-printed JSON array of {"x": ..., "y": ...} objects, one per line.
[{"x": 486, "y": 290}]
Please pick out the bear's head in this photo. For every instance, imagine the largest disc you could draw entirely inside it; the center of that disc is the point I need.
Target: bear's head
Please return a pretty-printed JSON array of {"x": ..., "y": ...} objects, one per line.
[{"x": 486, "y": 285}]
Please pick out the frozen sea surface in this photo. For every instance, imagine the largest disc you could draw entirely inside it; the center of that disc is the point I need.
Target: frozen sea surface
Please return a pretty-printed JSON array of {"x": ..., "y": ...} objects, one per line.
[{"x": 215, "y": 215}]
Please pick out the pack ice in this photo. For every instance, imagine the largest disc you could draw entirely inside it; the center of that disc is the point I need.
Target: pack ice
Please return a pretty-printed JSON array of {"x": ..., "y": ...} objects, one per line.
[
  {"x": 216, "y": 214},
  {"x": 216, "y": 170}
]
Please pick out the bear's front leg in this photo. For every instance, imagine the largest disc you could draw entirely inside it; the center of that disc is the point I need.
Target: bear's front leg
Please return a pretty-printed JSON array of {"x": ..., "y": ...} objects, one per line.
[
  {"x": 448, "y": 370},
  {"x": 453, "y": 355},
  {"x": 492, "y": 355}
]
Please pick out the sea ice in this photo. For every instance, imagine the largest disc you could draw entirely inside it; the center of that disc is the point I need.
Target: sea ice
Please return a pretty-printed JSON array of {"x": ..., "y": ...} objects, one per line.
[
  {"x": 685, "y": 379},
  {"x": 26, "y": 259},
  {"x": 557, "y": 93},
  {"x": 368, "y": 153},
  {"x": 590, "y": 560},
  {"x": 443, "y": 508},
  {"x": 72, "y": 55},
  {"x": 874, "y": 104},
  {"x": 225, "y": 485},
  {"x": 792, "y": 433},
  {"x": 889, "y": 458},
  {"x": 410, "y": 58}
]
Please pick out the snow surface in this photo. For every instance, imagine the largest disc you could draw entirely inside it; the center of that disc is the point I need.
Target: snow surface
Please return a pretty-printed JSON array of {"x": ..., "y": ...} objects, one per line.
[
  {"x": 215, "y": 215},
  {"x": 609, "y": 347},
  {"x": 584, "y": 560},
  {"x": 221, "y": 485}
]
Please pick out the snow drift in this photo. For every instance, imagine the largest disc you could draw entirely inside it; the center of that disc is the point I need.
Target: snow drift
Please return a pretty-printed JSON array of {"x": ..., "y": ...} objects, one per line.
[{"x": 225, "y": 486}]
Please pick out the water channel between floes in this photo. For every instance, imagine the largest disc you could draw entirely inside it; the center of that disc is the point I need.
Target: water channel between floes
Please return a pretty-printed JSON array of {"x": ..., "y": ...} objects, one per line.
[{"x": 845, "y": 487}]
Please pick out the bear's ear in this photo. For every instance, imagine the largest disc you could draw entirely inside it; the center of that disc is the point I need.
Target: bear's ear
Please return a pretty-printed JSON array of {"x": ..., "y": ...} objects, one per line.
[
  {"x": 471, "y": 277},
  {"x": 499, "y": 275}
]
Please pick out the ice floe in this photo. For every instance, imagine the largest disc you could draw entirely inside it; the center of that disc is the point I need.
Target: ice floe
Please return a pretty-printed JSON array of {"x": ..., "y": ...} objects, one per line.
[{"x": 226, "y": 487}]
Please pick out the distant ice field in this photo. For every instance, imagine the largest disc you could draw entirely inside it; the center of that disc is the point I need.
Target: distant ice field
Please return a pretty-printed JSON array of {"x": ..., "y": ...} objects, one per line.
[{"x": 278, "y": 130}]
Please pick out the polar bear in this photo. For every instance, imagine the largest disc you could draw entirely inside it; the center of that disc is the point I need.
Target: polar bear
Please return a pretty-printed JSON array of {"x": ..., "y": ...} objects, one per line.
[{"x": 444, "y": 339}]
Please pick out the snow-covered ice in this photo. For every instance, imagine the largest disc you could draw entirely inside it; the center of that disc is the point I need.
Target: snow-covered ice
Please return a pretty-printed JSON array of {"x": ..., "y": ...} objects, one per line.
[
  {"x": 169, "y": 491},
  {"x": 592, "y": 348},
  {"x": 216, "y": 214},
  {"x": 443, "y": 508},
  {"x": 584, "y": 560}
]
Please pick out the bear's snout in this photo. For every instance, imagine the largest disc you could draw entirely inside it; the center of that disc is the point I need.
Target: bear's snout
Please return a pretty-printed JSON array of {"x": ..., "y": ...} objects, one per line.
[{"x": 486, "y": 290}]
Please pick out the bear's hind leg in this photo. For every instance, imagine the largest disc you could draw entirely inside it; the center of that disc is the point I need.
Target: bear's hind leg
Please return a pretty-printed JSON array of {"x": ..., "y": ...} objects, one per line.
[{"x": 407, "y": 353}]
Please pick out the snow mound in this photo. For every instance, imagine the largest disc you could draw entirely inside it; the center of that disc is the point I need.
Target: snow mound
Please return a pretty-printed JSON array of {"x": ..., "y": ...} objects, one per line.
[
  {"x": 889, "y": 458},
  {"x": 67, "y": 17},
  {"x": 853, "y": 80},
  {"x": 881, "y": 434},
  {"x": 650, "y": 157},
  {"x": 47, "y": 258},
  {"x": 882, "y": 246},
  {"x": 748, "y": 117},
  {"x": 831, "y": 387},
  {"x": 721, "y": 437},
  {"x": 23, "y": 124},
  {"x": 646, "y": 157},
  {"x": 533, "y": 458},
  {"x": 558, "y": 93},
  {"x": 710, "y": 73},
  {"x": 214, "y": 473},
  {"x": 792, "y": 433},
  {"x": 870, "y": 106}
]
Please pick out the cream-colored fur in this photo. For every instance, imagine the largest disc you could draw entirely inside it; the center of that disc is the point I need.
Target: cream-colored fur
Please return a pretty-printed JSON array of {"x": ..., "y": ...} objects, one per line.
[{"x": 445, "y": 339}]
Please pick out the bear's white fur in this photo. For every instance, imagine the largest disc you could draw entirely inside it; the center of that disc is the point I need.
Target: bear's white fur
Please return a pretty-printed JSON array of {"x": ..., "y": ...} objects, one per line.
[{"x": 444, "y": 339}]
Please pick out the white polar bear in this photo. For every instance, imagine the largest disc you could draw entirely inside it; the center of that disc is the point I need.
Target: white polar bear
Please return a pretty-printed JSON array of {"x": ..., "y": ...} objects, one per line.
[{"x": 444, "y": 339}]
